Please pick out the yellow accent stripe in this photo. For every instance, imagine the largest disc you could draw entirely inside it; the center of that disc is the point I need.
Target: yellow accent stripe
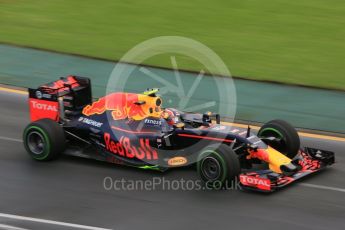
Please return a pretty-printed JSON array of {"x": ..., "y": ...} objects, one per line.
[
  {"x": 324, "y": 137},
  {"x": 302, "y": 134},
  {"x": 13, "y": 91}
]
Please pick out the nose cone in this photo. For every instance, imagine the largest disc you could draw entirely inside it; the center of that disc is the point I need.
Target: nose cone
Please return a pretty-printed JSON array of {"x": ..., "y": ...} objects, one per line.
[{"x": 290, "y": 169}]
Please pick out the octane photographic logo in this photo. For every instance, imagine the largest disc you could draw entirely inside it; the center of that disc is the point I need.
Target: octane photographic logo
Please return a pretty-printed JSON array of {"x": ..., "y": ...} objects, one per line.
[{"x": 178, "y": 89}]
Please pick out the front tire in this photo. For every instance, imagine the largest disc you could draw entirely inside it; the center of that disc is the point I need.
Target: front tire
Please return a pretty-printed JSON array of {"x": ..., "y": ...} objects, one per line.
[
  {"x": 44, "y": 140},
  {"x": 289, "y": 143},
  {"x": 217, "y": 166}
]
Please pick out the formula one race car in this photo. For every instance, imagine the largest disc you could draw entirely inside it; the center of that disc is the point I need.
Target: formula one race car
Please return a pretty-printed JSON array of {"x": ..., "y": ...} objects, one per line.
[{"x": 135, "y": 130}]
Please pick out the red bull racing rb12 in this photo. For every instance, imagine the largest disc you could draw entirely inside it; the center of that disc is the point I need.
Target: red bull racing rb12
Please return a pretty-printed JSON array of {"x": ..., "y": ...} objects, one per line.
[{"x": 136, "y": 130}]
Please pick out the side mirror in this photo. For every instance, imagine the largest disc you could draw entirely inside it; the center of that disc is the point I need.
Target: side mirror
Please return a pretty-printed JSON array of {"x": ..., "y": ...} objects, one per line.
[
  {"x": 206, "y": 117},
  {"x": 218, "y": 119}
]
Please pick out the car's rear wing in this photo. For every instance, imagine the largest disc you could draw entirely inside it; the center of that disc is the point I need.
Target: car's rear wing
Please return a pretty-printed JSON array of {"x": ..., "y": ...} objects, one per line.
[{"x": 54, "y": 100}]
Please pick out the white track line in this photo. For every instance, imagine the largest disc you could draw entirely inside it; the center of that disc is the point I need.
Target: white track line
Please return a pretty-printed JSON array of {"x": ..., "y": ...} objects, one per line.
[
  {"x": 9, "y": 227},
  {"x": 10, "y": 139},
  {"x": 24, "y": 218},
  {"x": 322, "y": 187}
]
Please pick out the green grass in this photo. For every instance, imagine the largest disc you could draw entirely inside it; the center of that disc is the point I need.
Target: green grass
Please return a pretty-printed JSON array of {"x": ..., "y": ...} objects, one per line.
[{"x": 299, "y": 42}]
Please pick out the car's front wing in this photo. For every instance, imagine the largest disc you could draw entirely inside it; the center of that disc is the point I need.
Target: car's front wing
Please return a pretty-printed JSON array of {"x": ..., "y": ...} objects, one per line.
[{"x": 309, "y": 160}]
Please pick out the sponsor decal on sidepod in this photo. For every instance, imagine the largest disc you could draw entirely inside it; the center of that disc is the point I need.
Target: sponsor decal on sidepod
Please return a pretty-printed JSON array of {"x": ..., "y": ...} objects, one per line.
[
  {"x": 125, "y": 148},
  {"x": 90, "y": 122},
  {"x": 177, "y": 161}
]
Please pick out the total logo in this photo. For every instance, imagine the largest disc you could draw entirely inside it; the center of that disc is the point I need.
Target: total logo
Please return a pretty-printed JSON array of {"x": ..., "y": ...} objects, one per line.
[
  {"x": 41, "y": 106},
  {"x": 153, "y": 122},
  {"x": 255, "y": 181},
  {"x": 90, "y": 122}
]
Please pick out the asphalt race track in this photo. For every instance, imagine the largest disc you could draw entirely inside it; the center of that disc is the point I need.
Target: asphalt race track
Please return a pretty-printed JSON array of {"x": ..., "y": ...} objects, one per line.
[{"x": 70, "y": 191}]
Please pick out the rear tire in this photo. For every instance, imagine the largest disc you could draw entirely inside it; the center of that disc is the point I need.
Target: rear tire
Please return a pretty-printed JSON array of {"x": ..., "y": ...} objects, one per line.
[
  {"x": 44, "y": 140},
  {"x": 290, "y": 142},
  {"x": 218, "y": 165}
]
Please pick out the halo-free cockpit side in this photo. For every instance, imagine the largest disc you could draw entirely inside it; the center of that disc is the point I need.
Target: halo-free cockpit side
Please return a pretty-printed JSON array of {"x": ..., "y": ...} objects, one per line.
[{"x": 136, "y": 130}]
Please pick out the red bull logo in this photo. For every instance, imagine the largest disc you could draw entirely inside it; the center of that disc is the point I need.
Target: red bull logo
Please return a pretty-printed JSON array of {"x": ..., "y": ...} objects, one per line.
[
  {"x": 126, "y": 149},
  {"x": 124, "y": 105}
]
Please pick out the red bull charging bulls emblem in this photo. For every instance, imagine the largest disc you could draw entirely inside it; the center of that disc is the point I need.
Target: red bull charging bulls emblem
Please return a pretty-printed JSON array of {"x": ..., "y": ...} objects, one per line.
[{"x": 126, "y": 105}]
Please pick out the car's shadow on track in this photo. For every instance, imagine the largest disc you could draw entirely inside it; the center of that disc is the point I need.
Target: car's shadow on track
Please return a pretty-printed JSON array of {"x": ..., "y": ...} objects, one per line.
[
  {"x": 116, "y": 171},
  {"x": 187, "y": 173}
]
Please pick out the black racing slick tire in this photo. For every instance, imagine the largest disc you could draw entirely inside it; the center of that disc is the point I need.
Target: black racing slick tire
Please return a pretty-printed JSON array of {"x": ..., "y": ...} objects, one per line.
[
  {"x": 218, "y": 166},
  {"x": 289, "y": 142},
  {"x": 44, "y": 140}
]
